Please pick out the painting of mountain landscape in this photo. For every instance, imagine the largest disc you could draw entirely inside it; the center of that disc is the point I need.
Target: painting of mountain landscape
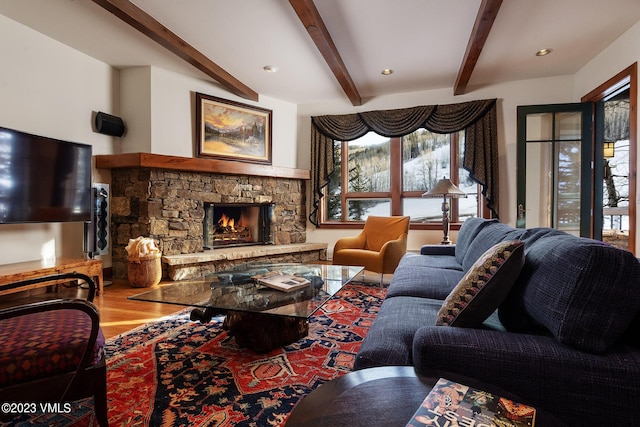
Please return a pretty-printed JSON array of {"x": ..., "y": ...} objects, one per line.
[{"x": 232, "y": 130}]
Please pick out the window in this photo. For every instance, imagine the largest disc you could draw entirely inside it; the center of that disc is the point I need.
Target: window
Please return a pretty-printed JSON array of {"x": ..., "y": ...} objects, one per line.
[{"x": 387, "y": 176}]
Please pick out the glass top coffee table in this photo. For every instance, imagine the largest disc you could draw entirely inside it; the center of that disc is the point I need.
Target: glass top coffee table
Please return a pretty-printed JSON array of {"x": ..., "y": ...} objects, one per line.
[{"x": 259, "y": 317}]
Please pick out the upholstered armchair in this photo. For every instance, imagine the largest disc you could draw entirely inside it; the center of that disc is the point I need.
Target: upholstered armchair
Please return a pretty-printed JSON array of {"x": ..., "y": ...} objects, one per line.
[
  {"x": 53, "y": 351},
  {"x": 378, "y": 248}
]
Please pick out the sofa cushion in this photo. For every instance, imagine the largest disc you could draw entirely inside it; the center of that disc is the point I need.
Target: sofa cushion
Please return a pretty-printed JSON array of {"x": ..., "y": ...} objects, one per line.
[
  {"x": 538, "y": 370},
  {"x": 487, "y": 237},
  {"x": 442, "y": 261},
  {"x": 531, "y": 235},
  {"x": 484, "y": 286},
  {"x": 585, "y": 292},
  {"x": 416, "y": 277},
  {"x": 390, "y": 338},
  {"x": 468, "y": 232},
  {"x": 442, "y": 256},
  {"x": 427, "y": 282}
]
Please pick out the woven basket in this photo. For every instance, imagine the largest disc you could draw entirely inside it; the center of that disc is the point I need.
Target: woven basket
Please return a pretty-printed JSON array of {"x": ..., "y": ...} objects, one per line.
[{"x": 144, "y": 272}]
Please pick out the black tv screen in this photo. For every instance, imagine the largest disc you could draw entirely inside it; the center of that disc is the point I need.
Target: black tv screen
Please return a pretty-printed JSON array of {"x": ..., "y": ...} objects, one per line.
[{"x": 43, "y": 179}]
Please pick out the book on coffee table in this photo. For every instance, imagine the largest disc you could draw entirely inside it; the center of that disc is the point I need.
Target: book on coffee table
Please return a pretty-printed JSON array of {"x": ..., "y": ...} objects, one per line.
[
  {"x": 281, "y": 282},
  {"x": 450, "y": 402}
]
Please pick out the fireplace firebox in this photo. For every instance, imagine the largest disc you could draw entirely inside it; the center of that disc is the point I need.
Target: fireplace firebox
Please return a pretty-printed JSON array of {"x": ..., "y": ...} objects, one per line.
[{"x": 237, "y": 224}]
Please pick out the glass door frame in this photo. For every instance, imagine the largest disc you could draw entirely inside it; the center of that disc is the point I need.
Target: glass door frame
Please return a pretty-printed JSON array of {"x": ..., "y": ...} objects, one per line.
[
  {"x": 628, "y": 76},
  {"x": 586, "y": 151}
]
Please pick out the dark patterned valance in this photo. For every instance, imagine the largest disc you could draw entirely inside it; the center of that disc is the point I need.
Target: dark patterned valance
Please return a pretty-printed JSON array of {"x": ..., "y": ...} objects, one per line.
[{"x": 477, "y": 118}]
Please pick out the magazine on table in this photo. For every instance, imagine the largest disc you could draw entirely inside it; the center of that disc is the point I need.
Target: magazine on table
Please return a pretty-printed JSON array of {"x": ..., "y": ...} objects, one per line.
[
  {"x": 454, "y": 404},
  {"x": 281, "y": 281}
]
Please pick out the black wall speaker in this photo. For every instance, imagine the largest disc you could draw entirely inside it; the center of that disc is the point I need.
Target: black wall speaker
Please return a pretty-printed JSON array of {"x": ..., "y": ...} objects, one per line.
[
  {"x": 90, "y": 229},
  {"x": 109, "y": 125},
  {"x": 101, "y": 218},
  {"x": 96, "y": 231}
]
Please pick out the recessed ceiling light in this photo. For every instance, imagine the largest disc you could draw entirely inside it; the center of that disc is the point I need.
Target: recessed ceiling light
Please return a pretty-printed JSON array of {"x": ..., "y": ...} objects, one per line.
[
  {"x": 387, "y": 72},
  {"x": 544, "y": 52},
  {"x": 270, "y": 68}
]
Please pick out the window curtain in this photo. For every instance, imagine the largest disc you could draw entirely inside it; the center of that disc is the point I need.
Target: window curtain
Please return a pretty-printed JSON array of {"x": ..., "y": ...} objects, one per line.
[{"x": 477, "y": 118}]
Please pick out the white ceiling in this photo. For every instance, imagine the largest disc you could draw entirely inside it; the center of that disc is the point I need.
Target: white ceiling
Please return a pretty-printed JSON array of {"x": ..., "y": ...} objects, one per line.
[{"x": 423, "y": 41}]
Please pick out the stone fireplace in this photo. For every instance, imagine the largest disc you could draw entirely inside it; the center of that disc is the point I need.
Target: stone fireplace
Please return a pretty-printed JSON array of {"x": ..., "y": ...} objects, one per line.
[{"x": 164, "y": 197}]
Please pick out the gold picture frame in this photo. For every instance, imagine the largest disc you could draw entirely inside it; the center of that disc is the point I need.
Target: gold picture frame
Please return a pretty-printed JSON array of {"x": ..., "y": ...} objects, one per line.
[{"x": 231, "y": 130}]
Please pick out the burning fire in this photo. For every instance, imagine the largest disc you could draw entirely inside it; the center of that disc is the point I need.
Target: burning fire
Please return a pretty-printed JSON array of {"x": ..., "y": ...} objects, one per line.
[
  {"x": 229, "y": 228},
  {"x": 227, "y": 222}
]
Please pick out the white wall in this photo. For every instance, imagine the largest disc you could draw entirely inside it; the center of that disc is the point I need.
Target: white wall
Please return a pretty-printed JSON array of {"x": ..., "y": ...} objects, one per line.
[
  {"x": 509, "y": 95},
  {"x": 52, "y": 90},
  {"x": 135, "y": 109},
  {"x": 161, "y": 105}
]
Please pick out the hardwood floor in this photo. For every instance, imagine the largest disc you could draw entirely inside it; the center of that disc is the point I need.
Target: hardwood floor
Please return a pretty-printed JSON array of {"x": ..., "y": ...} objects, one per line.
[{"x": 119, "y": 314}]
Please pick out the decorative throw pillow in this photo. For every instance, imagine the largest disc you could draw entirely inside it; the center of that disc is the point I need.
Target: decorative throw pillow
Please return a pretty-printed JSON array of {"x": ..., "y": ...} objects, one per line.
[{"x": 483, "y": 288}]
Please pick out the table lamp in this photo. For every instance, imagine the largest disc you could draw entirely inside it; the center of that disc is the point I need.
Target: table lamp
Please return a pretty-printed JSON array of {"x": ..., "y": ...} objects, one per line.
[{"x": 445, "y": 188}]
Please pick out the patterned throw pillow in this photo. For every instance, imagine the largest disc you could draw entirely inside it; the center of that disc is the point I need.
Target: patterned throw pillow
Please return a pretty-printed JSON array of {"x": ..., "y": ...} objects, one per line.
[{"x": 484, "y": 286}]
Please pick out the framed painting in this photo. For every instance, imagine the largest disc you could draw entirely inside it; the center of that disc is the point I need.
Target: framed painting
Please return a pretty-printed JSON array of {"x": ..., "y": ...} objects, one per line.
[{"x": 232, "y": 131}]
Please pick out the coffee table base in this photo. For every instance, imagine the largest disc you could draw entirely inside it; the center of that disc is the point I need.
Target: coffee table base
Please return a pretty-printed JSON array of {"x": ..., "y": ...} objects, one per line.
[
  {"x": 204, "y": 315},
  {"x": 258, "y": 332},
  {"x": 262, "y": 332}
]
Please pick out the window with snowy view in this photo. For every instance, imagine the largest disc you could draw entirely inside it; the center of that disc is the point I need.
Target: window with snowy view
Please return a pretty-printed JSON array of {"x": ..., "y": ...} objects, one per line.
[{"x": 376, "y": 175}]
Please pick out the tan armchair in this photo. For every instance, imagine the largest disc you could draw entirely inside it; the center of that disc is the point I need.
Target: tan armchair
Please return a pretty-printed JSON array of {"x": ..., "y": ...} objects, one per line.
[{"x": 379, "y": 247}]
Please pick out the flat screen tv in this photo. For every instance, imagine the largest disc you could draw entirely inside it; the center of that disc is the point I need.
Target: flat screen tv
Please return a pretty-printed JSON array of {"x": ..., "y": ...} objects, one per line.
[{"x": 43, "y": 179}]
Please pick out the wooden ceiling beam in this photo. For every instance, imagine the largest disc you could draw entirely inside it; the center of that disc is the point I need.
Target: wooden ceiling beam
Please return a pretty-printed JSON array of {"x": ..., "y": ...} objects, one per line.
[
  {"x": 146, "y": 24},
  {"x": 312, "y": 21},
  {"x": 481, "y": 28}
]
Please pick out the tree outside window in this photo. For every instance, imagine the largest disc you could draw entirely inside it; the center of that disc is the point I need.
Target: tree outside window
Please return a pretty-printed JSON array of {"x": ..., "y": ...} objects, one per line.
[{"x": 387, "y": 176}]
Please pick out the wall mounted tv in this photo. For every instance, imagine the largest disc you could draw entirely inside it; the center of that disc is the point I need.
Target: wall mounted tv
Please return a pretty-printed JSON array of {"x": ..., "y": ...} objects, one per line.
[{"x": 43, "y": 179}]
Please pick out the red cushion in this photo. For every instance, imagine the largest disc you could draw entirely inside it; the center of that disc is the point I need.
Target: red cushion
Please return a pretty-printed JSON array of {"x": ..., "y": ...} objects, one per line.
[{"x": 42, "y": 344}]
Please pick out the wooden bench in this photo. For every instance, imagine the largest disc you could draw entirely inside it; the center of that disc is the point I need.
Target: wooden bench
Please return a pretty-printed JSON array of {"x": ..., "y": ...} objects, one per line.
[{"x": 16, "y": 272}]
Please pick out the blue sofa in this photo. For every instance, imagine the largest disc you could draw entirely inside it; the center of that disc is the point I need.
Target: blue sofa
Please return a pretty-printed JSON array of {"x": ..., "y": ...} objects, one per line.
[{"x": 564, "y": 339}]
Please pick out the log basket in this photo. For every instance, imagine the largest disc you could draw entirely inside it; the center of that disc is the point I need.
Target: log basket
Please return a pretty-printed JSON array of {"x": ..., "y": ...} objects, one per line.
[{"x": 144, "y": 272}]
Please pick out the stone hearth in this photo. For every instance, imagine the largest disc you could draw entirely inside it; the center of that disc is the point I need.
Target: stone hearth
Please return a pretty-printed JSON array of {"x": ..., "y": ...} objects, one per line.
[
  {"x": 163, "y": 197},
  {"x": 186, "y": 266}
]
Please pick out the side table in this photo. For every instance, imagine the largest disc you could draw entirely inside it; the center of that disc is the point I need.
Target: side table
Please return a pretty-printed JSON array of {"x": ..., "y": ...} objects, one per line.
[
  {"x": 16, "y": 272},
  {"x": 385, "y": 396}
]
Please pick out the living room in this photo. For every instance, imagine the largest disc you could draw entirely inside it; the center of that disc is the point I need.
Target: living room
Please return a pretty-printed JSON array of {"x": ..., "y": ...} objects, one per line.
[
  {"x": 128, "y": 93},
  {"x": 52, "y": 89}
]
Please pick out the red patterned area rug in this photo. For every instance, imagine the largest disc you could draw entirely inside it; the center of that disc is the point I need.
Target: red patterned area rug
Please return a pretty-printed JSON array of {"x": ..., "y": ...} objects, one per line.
[{"x": 176, "y": 372}]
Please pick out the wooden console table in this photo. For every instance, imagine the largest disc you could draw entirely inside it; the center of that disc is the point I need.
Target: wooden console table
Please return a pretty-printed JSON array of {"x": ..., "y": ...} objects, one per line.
[{"x": 11, "y": 273}]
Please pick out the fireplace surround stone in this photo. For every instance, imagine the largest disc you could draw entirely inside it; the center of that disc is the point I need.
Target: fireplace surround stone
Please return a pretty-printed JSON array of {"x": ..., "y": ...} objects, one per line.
[{"x": 163, "y": 197}]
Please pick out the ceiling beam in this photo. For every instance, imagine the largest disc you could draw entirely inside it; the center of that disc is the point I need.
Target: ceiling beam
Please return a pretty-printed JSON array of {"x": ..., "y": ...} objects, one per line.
[
  {"x": 308, "y": 14},
  {"x": 146, "y": 24},
  {"x": 484, "y": 21}
]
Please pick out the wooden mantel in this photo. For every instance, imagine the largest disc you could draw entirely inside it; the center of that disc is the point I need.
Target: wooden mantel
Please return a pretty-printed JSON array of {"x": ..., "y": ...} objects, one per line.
[{"x": 190, "y": 164}]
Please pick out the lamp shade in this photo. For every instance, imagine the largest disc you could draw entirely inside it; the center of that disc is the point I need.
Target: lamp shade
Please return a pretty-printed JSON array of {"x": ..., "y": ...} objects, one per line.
[{"x": 446, "y": 188}]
